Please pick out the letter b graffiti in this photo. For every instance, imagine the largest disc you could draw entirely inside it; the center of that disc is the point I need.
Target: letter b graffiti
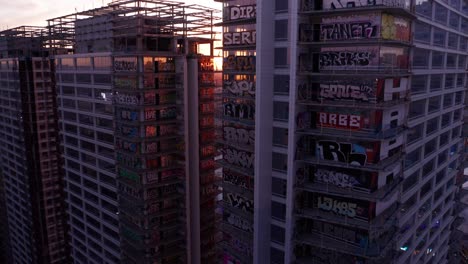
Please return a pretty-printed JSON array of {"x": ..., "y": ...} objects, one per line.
[{"x": 342, "y": 152}]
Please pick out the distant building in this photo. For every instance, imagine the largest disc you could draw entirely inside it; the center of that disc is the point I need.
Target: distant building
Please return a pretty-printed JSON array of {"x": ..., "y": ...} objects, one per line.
[
  {"x": 32, "y": 189},
  {"x": 136, "y": 111}
]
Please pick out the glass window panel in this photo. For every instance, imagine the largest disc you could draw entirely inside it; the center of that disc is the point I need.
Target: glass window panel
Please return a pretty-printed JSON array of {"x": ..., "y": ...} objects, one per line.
[
  {"x": 417, "y": 108},
  {"x": 422, "y": 32},
  {"x": 424, "y": 8},
  {"x": 451, "y": 60},
  {"x": 432, "y": 125},
  {"x": 102, "y": 79},
  {"x": 454, "y": 20},
  {"x": 453, "y": 40},
  {"x": 434, "y": 104},
  {"x": 281, "y": 29},
  {"x": 448, "y": 98},
  {"x": 418, "y": 84},
  {"x": 281, "y": 84},
  {"x": 420, "y": 58},
  {"x": 437, "y": 59},
  {"x": 102, "y": 63},
  {"x": 439, "y": 37},
  {"x": 449, "y": 81},
  {"x": 83, "y": 63},
  {"x": 281, "y": 57},
  {"x": 441, "y": 14},
  {"x": 436, "y": 82}
]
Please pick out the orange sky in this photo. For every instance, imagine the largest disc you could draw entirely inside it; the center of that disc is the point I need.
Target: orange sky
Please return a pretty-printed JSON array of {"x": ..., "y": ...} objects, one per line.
[{"x": 15, "y": 13}]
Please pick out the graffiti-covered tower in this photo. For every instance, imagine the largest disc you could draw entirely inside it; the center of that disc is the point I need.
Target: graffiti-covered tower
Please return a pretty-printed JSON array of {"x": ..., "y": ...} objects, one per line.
[{"x": 358, "y": 112}]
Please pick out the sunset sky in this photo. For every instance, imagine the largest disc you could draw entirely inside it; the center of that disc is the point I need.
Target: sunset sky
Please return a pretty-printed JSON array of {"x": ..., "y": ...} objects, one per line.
[{"x": 15, "y": 13}]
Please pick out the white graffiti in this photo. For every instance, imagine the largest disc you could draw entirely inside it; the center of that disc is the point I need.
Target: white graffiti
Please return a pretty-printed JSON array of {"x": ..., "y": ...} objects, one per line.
[
  {"x": 127, "y": 99},
  {"x": 240, "y": 88},
  {"x": 239, "y": 135},
  {"x": 242, "y": 12},
  {"x": 339, "y": 120},
  {"x": 346, "y": 91},
  {"x": 342, "y": 180},
  {"x": 337, "y": 4},
  {"x": 338, "y": 207},
  {"x": 240, "y": 38},
  {"x": 240, "y": 202},
  {"x": 239, "y": 222},
  {"x": 239, "y": 158}
]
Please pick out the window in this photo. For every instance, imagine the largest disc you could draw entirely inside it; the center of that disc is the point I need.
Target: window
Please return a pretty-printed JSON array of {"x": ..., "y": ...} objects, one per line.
[
  {"x": 280, "y": 161},
  {"x": 415, "y": 133},
  {"x": 102, "y": 79},
  {"x": 454, "y": 20},
  {"x": 462, "y": 44},
  {"x": 86, "y": 119},
  {"x": 410, "y": 181},
  {"x": 422, "y": 32},
  {"x": 412, "y": 158},
  {"x": 449, "y": 81},
  {"x": 451, "y": 60},
  {"x": 434, "y": 104},
  {"x": 420, "y": 58},
  {"x": 441, "y": 14},
  {"x": 278, "y": 187},
  {"x": 277, "y": 234},
  {"x": 84, "y": 92},
  {"x": 278, "y": 211},
  {"x": 281, "y": 57},
  {"x": 453, "y": 41},
  {"x": 437, "y": 60},
  {"x": 432, "y": 125},
  {"x": 67, "y": 78},
  {"x": 430, "y": 147},
  {"x": 280, "y": 111},
  {"x": 444, "y": 138},
  {"x": 83, "y": 63},
  {"x": 68, "y": 90},
  {"x": 417, "y": 109},
  {"x": 281, "y": 84},
  {"x": 85, "y": 106},
  {"x": 68, "y": 103},
  {"x": 439, "y": 37},
  {"x": 281, "y": 29},
  {"x": 446, "y": 118},
  {"x": 424, "y": 8},
  {"x": 461, "y": 62},
  {"x": 436, "y": 82},
  {"x": 102, "y": 63},
  {"x": 448, "y": 98},
  {"x": 281, "y": 6},
  {"x": 418, "y": 84},
  {"x": 280, "y": 136}
]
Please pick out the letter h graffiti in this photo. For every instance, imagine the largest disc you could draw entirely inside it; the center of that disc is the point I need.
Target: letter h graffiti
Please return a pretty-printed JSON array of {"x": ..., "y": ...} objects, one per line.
[{"x": 342, "y": 152}]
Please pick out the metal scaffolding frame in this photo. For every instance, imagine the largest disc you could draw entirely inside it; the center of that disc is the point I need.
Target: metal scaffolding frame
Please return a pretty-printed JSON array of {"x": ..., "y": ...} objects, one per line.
[
  {"x": 21, "y": 40},
  {"x": 173, "y": 18}
]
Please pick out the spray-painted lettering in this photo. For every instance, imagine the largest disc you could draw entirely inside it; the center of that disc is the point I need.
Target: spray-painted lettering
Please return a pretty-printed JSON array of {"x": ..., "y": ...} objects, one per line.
[
  {"x": 344, "y": 58},
  {"x": 343, "y": 152},
  {"x": 239, "y": 38},
  {"x": 339, "y": 120},
  {"x": 338, "y": 207},
  {"x": 240, "y": 202},
  {"x": 238, "y": 222},
  {"x": 343, "y": 31},
  {"x": 239, "y": 158},
  {"x": 347, "y": 92},
  {"x": 239, "y": 135},
  {"x": 239, "y": 63},
  {"x": 240, "y": 111},
  {"x": 339, "y": 179},
  {"x": 240, "y": 88},
  {"x": 242, "y": 12}
]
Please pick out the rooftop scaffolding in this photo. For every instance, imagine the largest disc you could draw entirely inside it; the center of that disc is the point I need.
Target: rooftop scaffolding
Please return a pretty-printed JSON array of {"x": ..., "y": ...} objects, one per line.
[
  {"x": 22, "y": 40},
  {"x": 128, "y": 21}
]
